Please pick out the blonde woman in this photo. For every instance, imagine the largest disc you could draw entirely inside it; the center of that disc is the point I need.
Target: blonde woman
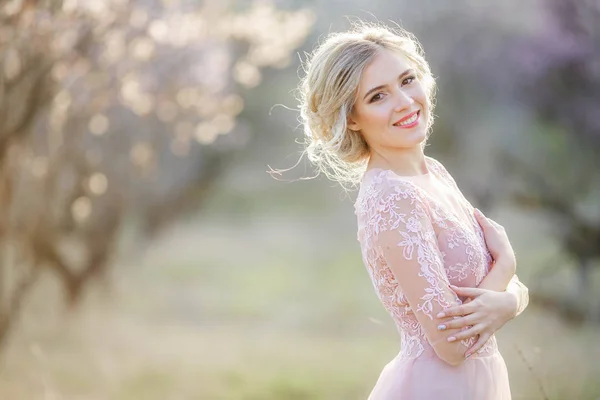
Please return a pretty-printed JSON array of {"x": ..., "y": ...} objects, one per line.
[{"x": 444, "y": 272}]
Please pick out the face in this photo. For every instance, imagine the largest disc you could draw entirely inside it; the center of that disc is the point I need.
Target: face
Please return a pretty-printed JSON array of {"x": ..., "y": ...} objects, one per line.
[{"x": 391, "y": 104}]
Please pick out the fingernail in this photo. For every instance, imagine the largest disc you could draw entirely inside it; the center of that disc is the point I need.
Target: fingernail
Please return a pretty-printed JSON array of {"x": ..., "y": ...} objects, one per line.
[
  {"x": 441, "y": 315},
  {"x": 478, "y": 211},
  {"x": 441, "y": 327},
  {"x": 451, "y": 339}
]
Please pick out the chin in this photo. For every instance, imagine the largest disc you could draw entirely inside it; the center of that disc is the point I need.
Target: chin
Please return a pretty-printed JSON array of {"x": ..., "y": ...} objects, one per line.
[{"x": 412, "y": 139}]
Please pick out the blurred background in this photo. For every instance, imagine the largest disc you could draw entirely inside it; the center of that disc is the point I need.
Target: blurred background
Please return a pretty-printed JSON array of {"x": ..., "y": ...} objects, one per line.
[{"x": 146, "y": 253}]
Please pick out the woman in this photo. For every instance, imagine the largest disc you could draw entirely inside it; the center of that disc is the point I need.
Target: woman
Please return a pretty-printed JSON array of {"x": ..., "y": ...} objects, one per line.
[{"x": 367, "y": 108}]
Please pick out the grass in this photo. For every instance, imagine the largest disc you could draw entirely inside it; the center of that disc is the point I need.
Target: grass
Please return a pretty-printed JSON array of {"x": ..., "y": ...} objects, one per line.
[{"x": 278, "y": 307}]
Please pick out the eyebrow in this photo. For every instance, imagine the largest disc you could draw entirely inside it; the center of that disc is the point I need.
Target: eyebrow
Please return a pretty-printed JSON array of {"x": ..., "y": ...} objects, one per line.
[{"x": 402, "y": 75}]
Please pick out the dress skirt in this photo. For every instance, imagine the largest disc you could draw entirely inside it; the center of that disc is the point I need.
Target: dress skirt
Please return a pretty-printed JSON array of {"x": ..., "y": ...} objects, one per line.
[{"x": 429, "y": 378}]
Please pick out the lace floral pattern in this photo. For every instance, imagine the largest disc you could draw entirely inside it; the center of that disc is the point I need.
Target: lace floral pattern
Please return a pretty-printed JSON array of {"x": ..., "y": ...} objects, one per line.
[{"x": 448, "y": 247}]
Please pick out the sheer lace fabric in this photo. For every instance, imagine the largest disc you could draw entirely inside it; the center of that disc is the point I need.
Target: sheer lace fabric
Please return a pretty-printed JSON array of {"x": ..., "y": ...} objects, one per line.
[{"x": 433, "y": 244}]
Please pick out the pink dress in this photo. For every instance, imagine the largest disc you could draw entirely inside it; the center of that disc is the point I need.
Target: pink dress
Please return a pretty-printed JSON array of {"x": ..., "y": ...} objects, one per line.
[{"x": 425, "y": 228}]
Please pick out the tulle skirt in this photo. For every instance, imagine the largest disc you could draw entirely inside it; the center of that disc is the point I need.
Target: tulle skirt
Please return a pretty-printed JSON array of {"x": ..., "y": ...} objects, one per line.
[{"x": 429, "y": 378}]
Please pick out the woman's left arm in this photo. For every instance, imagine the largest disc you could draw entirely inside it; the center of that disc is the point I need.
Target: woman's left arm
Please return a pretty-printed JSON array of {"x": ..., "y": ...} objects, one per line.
[
  {"x": 487, "y": 312},
  {"x": 520, "y": 291},
  {"x": 498, "y": 298},
  {"x": 502, "y": 277},
  {"x": 517, "y": 293}
]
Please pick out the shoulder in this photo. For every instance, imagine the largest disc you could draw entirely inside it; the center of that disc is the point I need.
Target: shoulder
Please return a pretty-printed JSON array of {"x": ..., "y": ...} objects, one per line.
[
  {"x": 440, "y": 169},
  {"x": 382, "y": 191},
  {"x": 436, "y": 165}
]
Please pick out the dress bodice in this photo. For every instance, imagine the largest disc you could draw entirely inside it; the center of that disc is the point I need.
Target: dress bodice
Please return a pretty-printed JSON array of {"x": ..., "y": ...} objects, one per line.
[{"x": 443, "y": 236}]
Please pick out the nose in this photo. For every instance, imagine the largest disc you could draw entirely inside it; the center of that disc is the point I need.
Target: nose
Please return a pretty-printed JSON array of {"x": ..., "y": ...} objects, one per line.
[{"x": 403, "y": 100}]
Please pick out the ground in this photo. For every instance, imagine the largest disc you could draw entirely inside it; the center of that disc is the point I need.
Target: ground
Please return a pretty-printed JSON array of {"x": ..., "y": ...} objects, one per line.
[{"x": 270, "y": 306}]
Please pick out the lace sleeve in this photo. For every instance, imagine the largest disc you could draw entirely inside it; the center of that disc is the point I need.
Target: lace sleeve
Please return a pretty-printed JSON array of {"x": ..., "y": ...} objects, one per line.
[
  {"x": 521, "y": 291},
  {"x": 407, "y": 241},
  {"x": 443, "y": 172}
]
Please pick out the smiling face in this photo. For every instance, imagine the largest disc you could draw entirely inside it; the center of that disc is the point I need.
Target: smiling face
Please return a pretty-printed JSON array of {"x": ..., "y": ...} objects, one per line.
[{"x": 391, "y": 108}]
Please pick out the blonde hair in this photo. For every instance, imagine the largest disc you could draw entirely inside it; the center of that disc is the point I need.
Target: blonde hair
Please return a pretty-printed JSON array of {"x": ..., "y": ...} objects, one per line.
[{"x": 328, "y": 91}]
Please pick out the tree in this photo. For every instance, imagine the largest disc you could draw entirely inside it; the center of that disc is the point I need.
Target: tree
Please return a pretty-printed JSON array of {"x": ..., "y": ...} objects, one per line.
[
  {"x": 546, "y": 75},
  {"x": 560, "y": 66},
  {"x": 116, "y": 109}
]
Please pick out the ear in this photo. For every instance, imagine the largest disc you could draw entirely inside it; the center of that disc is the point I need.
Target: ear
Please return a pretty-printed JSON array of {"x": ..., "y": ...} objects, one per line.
[{"x": 351, "y": 124}]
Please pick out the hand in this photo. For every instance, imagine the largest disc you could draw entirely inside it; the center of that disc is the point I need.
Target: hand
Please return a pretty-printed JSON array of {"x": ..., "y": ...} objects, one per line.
[
  {"x": 487, "y": 312},
  {"x": 497, "y": 241}
]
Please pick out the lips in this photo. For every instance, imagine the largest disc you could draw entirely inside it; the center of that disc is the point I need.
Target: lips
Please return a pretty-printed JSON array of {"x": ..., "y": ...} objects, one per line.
[{"x": 412, "y": 117}]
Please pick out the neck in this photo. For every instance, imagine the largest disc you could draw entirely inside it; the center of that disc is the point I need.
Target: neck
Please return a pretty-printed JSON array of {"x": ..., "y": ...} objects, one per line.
[{"x": 409, "y": 162}]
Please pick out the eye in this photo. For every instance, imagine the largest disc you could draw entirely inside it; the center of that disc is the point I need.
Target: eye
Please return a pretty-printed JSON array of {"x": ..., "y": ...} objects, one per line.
[
  {"x": 377, "y": 97},
  {"x": 408, "y": 80}
]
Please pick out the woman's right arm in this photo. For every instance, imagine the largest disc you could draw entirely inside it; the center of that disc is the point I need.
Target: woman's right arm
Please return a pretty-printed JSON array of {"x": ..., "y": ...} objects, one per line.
[{"x": 406, "y": 238}]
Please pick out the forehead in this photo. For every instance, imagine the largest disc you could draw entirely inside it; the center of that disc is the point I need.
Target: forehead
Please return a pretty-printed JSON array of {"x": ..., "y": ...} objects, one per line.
[{"x": 385, "y": 68}]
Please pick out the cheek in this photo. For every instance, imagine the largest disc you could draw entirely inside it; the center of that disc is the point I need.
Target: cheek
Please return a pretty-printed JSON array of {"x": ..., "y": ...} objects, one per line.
[
  {"x": 375, "y": 115},
  {"x": 382, "y": 115},
  {"x": 419, "y": 95}
]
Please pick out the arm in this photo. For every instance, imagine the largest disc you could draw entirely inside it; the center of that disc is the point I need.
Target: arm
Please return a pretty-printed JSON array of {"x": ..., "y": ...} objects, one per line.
[
  {"x": 499, "y": 297},
  {"x": 504, "y": 271},
  {"x": 505, "y": 262},
  {"x": 498, "y": 278},
  {"x": 408, "y": 243},
  {"x": 520, "y": 292},
  {"x": 502, "y": 277},
  {"x": 516, "y": 292}
]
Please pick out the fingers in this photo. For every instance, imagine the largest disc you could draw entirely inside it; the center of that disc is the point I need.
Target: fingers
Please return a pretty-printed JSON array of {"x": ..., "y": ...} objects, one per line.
[
  {"x": 472, "y": 331},
  {"x": 458, "y": 311},
  {"x": 495, "y": 224},
  {"x": 458, "y": 323},
  {"x": 467, "y": 307},
  {"x": 482, "y": 219},
  {"x": 467, "y": 291},
  {"x": 485, "y": 221},
  {"x": 483, "y": 338}
]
